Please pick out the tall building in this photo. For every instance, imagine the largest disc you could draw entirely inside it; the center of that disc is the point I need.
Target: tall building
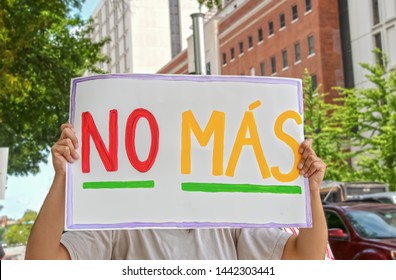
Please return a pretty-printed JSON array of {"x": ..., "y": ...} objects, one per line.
[
  {"x": 282, "y": 38},
  {"x": 372, "y": 24},
  {"x": 145, "y": 34}
]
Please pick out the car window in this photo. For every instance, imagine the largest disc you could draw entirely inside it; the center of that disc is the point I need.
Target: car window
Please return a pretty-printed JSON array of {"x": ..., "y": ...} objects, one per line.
[
  {"x": 334, "y": 221},
  {"x": 373, "y": 224},
  {"x": 385, "y": 200}
]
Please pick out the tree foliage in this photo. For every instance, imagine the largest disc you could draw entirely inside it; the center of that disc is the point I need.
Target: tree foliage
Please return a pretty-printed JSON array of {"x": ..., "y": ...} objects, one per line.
[
  {"x": 17, "y": 234},
  {"x": 323, "y": 128},
  {"x": 210, "y": 4},
  {"x": 2, "y": 234},
  {"x": 29, "y": 216},
  {"x": 43, "y": 45},
  {"x": 356, "y": 137},
  {"x": 369, "y": 123}
]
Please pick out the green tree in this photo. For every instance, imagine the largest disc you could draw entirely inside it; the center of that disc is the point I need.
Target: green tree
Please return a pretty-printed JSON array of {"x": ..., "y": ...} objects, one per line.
[
  {"x": 43, "y": 45},
  {"x": 29, "y": 216},
  {"x": 323, "y": 128},
  {"x": 17, "y": 234},
  {"x": 210, "y": 4},
  {"x": 369, "y": 122},
  {"x": 2, "y": 234}
]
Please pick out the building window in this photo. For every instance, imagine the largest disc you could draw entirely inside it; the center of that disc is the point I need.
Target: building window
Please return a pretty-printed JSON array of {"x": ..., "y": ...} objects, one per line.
[
  {"x": 224, "y": 58},
  {"x": 208, "y": 71},
  {"x": 378, "y": 45},
  {"x": 273, "y": 65},
  {"x": 262, "y": 68},
  {"x": 284, "y": 59},
  {"x": 294, "y": 12},
  {"x": 378, "y": 41},
  {"x": 308, "y": 6},
  {"x": 232, "y": 53},
  {"x": 270, "y": 28},
  {"x": 260, "y": 34},
  {"x": 175, "y": 28},
  {"x": 376, "y": 16},
  {"x": 250, "y": 41},
  {"x": 297, "y": 52},
  {"x": 240, "y": 48},
  {"x": 314, "y": 80},
  {"x": 311, "y": 48},
  {"x": 126, "y": 64},
  {"x": 252, "y": 71},
  {"x": 282, "y": 20}
]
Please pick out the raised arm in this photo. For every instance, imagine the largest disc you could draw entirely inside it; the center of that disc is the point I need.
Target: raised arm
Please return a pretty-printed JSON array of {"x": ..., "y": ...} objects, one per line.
[
  {"x": 44, "y": 239},
  {"x": 310, "y": 244}
]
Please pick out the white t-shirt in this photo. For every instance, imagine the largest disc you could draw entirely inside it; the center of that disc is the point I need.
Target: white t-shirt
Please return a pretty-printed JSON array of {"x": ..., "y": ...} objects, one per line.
[{"x": 176, "y": 244}]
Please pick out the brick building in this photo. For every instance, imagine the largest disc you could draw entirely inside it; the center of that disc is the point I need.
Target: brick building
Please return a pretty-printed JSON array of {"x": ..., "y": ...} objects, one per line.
[
  {"x": 178, "y": 65},
  {"x": 282, "y": 38},
  {"x": 279, "y": 38}
]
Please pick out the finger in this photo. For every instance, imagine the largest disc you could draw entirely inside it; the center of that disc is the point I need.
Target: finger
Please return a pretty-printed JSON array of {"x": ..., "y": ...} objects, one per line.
[
  {"x": 67, "y": 155},
  {"x": 306, "y": 151},
  {"x": 62, "y": 150},
  {"x": 64, "y": 125},
  {"x": 307, "y": 143},
  {"x": 68, "y": 133},
  {"x": 306, "y": 148},
  {"x": 305, "y": 163},
  {"x": 317, "y": 166},
  {"x": 70, "y": 147}
]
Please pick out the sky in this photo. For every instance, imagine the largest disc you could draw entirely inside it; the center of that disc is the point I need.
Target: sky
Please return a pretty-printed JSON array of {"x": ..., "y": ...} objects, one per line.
[{"x": 28, "y": 192}]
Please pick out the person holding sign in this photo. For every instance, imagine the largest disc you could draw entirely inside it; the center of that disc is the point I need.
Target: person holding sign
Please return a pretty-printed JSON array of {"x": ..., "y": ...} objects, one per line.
[{"x": 47, "y": 240}]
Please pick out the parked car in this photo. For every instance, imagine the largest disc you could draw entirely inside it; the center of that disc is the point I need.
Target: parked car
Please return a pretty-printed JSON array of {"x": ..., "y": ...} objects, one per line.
[
  {"x": 384, "y": 197},
  {"x": 362, "y": 231}
]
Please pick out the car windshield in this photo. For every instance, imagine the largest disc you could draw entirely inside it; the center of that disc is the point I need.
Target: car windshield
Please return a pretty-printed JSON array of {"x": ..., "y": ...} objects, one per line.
[{"x": 374, "y": 224}]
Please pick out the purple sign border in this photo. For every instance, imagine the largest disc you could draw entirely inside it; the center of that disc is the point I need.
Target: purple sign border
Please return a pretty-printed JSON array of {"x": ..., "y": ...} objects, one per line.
[{"x": 192, "y": 78}]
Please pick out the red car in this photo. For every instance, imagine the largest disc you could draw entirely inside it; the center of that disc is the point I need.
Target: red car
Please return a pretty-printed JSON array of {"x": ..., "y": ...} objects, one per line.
[{"x": 362, "y": 231}]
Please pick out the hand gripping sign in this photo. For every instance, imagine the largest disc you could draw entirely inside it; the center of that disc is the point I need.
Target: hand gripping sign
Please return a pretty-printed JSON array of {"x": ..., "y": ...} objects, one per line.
[{"x": 189, "y": 151}]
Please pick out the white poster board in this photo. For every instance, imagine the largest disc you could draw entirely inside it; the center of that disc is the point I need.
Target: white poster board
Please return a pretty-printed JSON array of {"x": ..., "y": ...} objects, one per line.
[
  {"x": 185, "y": 151},
  {"x": 3, "y": 170}
]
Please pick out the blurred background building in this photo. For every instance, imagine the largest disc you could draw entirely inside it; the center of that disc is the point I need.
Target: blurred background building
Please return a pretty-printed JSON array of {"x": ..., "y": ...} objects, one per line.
[
  {"x": 251, "y": 37},
  {"x": 144, "y": 34},
  {"x": 372, "y": 24}
]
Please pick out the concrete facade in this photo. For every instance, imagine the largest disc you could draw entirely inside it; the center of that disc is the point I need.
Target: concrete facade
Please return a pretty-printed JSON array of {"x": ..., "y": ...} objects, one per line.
[
  {"x": 142, "y": 32},
  {"x": 365, "y": 25}
]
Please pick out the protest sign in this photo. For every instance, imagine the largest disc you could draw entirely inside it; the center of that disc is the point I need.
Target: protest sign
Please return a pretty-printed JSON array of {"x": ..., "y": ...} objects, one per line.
[{"x": 185, "y": 151}]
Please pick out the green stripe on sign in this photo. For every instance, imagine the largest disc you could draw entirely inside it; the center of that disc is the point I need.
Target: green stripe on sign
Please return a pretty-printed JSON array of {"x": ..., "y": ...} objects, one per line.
[
  {"x": 244, "y": 188},
  {"x": 119, "y": 185}
]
